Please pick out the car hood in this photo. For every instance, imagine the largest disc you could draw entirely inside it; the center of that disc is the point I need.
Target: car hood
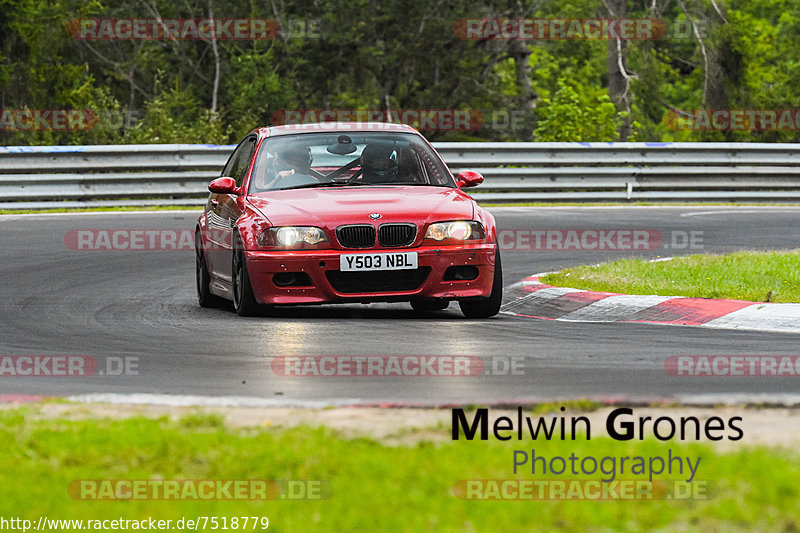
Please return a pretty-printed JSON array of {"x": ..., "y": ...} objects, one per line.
[{"x": 352, "y": 205}]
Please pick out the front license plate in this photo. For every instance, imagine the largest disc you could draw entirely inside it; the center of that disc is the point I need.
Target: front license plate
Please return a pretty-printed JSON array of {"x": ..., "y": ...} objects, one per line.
[{"x": 395, "y": 261}]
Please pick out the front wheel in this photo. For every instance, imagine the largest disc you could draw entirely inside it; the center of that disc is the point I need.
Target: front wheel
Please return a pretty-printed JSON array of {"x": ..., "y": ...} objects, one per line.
[
  {"x": 203, "y": 278},
  {"x": 486, "y": 307},
  {"x": 244, "y": 302}
]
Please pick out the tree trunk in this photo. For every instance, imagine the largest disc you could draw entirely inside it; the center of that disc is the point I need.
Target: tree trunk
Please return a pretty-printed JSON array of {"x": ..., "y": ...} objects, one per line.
[
  {"x": 520, "y": 53},
  {"x": 618, "y": 78},
  {"x": 215, "y": 49}
]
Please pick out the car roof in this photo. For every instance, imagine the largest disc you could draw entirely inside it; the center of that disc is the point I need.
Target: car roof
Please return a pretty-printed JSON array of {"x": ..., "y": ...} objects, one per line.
[{"x": 335, "y": 127}]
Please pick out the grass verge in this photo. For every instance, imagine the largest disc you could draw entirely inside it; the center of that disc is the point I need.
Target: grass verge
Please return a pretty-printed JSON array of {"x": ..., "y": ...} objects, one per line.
[
  {"x": 751, "y": 276},
  {"x": 373, "y": 487}
]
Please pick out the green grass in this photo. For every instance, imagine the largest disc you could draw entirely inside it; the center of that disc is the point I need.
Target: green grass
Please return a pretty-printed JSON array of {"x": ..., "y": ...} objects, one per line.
[
  {"x": 751, "y": 276},
  {"x": 374, "y": 488},
  {"x": 581, "y": 405}
]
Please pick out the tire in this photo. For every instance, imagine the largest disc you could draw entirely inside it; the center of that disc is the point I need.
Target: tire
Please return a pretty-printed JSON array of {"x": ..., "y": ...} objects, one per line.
[
  {"x": 203, "y": 279},
  {"x": 486, "y": 307},
  {"x": 244, "y": 302},
  {"x": 429, "y": 305}
]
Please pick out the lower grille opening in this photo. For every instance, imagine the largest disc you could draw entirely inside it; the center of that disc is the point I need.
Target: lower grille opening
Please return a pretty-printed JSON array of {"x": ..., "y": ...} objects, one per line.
[
  {"x": 378, "y": 280},
  {"x": 291, "y": 279},
  {"x": 461, "y": 273}
]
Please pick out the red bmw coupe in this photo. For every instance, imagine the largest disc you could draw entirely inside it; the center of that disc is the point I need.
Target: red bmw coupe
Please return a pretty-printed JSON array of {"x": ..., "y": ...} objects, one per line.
[{"x": 344, "y": 213}]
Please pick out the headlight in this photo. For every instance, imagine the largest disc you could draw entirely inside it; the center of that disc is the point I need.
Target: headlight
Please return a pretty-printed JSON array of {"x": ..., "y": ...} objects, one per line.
[
  {"x": 459, "y": 230},
  {"x": 287, "y": 236}
]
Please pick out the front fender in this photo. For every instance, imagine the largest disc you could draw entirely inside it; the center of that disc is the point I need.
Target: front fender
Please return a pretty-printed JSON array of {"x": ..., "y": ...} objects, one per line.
[
  {"x": 250, "y": 225},
  {"x": 487, "y": 219}
]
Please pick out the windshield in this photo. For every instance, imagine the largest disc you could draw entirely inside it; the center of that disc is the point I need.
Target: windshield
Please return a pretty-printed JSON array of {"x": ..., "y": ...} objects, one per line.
[{"x": 346, "y": 159}]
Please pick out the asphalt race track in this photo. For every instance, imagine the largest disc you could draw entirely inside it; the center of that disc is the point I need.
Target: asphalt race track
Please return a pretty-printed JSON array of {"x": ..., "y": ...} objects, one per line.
[{"x": 141, "y": 304}]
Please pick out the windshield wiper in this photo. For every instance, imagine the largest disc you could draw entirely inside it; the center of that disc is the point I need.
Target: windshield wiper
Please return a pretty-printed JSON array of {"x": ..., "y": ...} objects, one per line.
[
  {"x": 408, "y": 184},
  {"x": 322, "y": 184},
  {"x": 403, "y": 184}
]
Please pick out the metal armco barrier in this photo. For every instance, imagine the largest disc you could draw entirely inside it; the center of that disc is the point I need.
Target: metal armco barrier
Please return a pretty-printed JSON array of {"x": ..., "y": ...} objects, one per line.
[{"x": 73, "y": 176}]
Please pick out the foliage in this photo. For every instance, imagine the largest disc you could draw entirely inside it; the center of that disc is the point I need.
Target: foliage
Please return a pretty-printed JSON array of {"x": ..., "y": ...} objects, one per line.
[
  {"x": 367, "y": 55},
  {"x": 177, "y": 116},
  {"x": 578, "y": 114}
]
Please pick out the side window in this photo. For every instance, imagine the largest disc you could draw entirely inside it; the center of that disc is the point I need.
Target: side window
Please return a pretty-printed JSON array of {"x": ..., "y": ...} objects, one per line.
[
  {"x": 228, "y": 170},
  {"x": 237, "y": 165}
]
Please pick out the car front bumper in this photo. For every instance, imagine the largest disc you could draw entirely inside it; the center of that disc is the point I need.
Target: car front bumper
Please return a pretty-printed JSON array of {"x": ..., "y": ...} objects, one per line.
[{"x": 329, "y": 285}]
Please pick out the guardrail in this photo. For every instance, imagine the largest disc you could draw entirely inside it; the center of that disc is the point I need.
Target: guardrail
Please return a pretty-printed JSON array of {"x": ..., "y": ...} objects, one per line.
[{"x": 72, "y": 176}]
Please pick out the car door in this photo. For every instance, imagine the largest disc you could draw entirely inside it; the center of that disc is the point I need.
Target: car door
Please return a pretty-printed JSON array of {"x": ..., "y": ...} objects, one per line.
[{"x": 222, "y": 212}]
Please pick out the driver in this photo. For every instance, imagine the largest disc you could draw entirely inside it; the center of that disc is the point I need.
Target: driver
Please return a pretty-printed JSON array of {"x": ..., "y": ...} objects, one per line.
[
  {"x": 378, "y": 165},
  {"x": 292, "y": 166}
]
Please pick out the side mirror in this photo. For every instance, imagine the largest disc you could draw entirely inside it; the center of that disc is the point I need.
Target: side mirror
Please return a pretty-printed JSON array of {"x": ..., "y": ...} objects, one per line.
[
  {"x": 224, "y": 185},
  {"x": 469, "y": 178}
]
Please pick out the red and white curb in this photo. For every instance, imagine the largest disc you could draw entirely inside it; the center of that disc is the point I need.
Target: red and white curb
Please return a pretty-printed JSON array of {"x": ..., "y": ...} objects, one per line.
[
  {"x": 20, "y": 398},
  {"x": 534, "y": 299}
]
